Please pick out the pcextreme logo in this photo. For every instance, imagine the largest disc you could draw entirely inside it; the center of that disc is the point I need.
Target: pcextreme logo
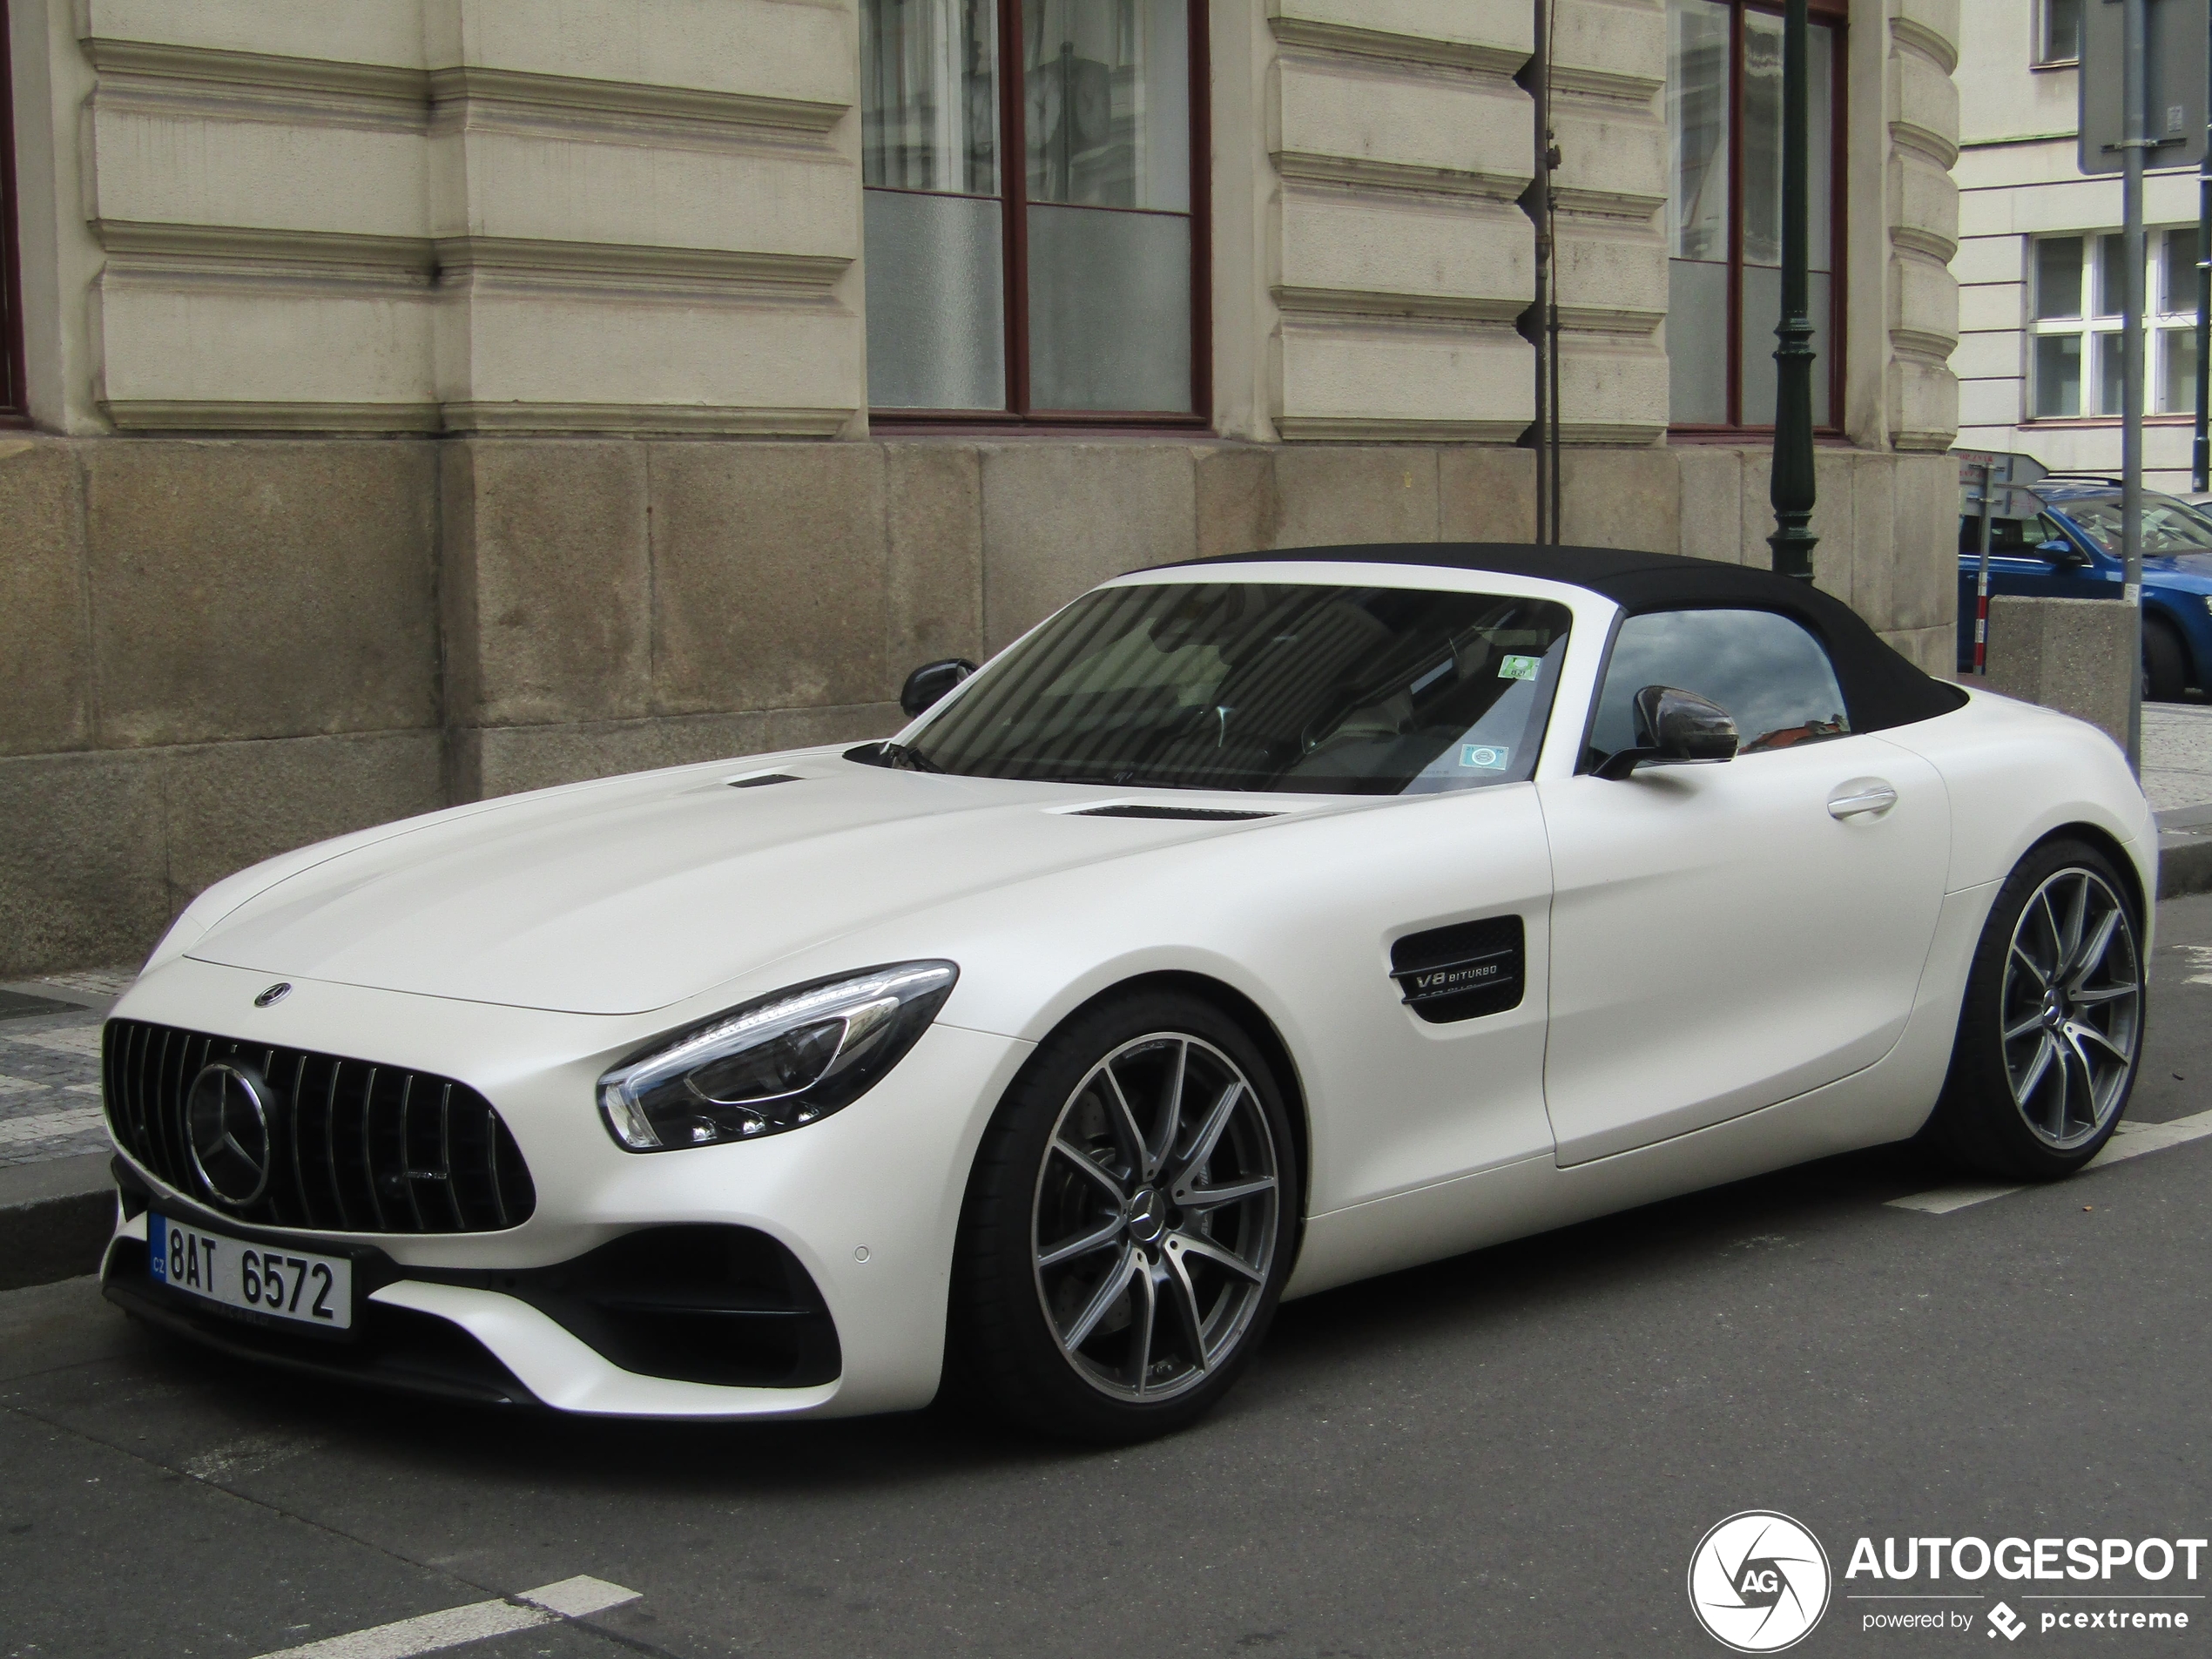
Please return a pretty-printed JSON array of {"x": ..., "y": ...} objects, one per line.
[{"x": 1758, "y": 1581}]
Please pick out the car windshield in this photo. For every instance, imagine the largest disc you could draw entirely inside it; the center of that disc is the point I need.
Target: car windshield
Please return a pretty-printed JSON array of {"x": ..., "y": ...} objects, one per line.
[
  {"x": 1264, "y": 686},
  {"x": 2168, "y": 526}
]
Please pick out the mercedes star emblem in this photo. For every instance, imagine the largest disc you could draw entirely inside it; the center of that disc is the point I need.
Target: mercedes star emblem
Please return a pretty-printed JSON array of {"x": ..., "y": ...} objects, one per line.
[
  {"x": 276, "y": 993},
  {"x": 227, "y": 1121}
]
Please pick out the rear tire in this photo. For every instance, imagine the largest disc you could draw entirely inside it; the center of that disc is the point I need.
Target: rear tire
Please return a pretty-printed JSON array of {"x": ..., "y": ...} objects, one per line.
[
  {"x": 2165, "y": 662},
  {"x": 2050, "y": 1036},
  {"x": 1129, "y": 1225}
]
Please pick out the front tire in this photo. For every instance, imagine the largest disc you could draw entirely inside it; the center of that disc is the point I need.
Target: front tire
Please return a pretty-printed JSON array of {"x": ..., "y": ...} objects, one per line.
[
  {"x": 2165, "y": 662},
  {"x": 1129, "y": 1225},
  {"x": 2050, "y": 1038}
]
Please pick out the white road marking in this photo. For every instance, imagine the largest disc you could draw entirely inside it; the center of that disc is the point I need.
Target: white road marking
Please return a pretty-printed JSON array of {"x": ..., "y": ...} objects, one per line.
[
  {"x": 2128, "y": 1141},
  {"x": 2201, "y": 958},
  {"x": 47, "y": 1126},
  {"x": 578, "y": 1597},
  {"x": 1943, "y": 1200},
  {"x": 572, "y": 1598}
]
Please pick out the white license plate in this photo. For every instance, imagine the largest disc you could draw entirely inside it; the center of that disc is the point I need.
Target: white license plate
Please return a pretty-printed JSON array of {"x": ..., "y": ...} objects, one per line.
[{"x": 283, "y": 1284}]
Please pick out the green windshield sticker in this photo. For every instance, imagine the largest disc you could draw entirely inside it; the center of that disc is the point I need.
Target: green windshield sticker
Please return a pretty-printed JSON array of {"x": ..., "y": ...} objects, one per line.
[
  {"x": 1520, "y": 668},
  {"x": 1485, "y": 756}
]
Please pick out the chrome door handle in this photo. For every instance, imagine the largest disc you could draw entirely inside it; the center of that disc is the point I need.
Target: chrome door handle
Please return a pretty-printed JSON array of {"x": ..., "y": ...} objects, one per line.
[{"x": 1861, "y": 795}]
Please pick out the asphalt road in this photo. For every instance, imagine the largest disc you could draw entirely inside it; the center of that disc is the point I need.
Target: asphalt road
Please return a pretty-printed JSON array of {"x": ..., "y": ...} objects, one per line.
[{"x": 1514, "y": 1452}]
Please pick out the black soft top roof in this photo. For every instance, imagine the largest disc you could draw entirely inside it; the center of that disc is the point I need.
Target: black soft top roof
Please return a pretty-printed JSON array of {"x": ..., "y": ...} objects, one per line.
[{"x": 1881, "y": 688}]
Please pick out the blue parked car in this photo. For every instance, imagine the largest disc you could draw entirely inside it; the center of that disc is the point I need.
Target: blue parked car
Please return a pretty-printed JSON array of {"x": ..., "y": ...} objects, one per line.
[{"x": 2070, "y": 551}]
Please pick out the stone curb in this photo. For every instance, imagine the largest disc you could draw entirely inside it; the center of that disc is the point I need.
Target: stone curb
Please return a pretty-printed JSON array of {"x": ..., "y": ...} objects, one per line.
[
  {"x": 2184, "y": 865},
  {"x": 55, "y": 1219}
]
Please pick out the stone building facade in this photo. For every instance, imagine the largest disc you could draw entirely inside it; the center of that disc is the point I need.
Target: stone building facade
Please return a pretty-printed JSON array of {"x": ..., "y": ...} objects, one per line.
[
  {"x": 2040, "y": 261},
  {"x": 424, "y": 400}
]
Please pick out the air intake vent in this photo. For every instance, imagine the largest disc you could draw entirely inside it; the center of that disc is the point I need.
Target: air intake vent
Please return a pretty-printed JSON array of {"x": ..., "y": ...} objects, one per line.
[
  {"x": 1462, "y": 971},
  {"x": 1208, "y": 815},
  {"x": 351, "y": 1147},
  {"x": 761, "y": 780}
]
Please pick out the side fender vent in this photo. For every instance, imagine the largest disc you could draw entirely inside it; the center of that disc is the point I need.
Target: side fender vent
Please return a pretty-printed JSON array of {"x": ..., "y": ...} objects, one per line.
[
  {"x": 1463, "y": 971},
  {"x": 761, "y": 779},
  {"x": 1137, "y": 809}
]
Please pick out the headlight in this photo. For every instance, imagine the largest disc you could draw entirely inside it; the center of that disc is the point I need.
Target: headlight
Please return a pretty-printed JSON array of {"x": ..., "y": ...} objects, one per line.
[{"x": 780, "y": 1062}]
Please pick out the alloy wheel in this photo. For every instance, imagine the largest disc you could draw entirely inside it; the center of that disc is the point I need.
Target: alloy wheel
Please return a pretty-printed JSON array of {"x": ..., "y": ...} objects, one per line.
[
  {"x": 2071, "y": 1012},
  {"x": 1154, "y": 1221}
]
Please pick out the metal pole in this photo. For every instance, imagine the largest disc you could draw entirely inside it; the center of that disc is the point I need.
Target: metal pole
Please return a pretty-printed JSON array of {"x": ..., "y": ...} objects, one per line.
[
  {"x": 1546, "y": 532},
  {"x": 1549, "y": 158},
  {"x": 2135, "y": 20},
  {"x": 2201, "y": 451},
  {"x": 1791, "y": 489},
  {"x": 1981, "y": 584}
]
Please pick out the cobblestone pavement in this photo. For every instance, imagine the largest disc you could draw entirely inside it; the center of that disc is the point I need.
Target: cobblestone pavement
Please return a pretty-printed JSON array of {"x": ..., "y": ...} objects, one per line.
[
  {"x": 2177, "y": 754},
  {"x": 50, "y": 1061},
  {"x": 50, "y": 1064}
]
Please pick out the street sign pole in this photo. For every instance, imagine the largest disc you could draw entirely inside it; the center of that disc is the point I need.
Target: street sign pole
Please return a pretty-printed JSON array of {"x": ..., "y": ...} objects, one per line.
[
  {"x": 2135, "y": 139},
  {"x": 2200, "y": 450},
  {"x": 1545, "y": 310},
  {"x": 1981, "y": 582}
]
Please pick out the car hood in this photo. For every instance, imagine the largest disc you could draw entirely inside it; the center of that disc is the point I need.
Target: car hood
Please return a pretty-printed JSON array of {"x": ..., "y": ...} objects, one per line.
[
  {"x": 2191, "y": 572},
  {"x": 626, "y": 896}
]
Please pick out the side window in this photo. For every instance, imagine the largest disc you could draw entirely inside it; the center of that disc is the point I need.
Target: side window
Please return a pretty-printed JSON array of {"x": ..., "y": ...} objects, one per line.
[
  {"x": 2005, "y": 534},
  {"x": 1767, "y": 671}
]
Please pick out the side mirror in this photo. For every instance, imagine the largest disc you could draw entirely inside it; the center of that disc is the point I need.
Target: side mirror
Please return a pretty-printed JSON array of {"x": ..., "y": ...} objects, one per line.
[
  {"x": 927, "y": 685},
  {"x": 1674, "y": 726},
  {"x": 2062, "y": 553}
]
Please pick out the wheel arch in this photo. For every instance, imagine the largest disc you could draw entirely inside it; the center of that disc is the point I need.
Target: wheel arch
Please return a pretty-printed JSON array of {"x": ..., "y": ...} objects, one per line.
[
  {"x": 1253, "y": 1020},
  {"x": 2106, "y": 843}
]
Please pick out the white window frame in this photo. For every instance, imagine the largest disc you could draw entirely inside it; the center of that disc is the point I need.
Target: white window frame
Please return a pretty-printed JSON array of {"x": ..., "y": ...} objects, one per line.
[
  {"x": 2040, "y": 46},
  {"x": 2102, "y": 319}
]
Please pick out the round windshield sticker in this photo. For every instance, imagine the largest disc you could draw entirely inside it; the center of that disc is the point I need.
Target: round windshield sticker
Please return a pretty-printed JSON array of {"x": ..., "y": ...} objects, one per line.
[
  {"x": 1520, "y": 668},
  {"x": 1485, "y": 756}
]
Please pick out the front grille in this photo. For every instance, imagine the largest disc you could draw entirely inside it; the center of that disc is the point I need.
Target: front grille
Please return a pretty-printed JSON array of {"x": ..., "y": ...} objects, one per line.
[{"x": 353, "y": 1147}]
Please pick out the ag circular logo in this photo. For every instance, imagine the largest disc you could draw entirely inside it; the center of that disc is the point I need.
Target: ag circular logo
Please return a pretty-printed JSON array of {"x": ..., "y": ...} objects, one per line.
[
  {"x": 1758, "y": 1582},
  {"x": 227, "y": 1121}
]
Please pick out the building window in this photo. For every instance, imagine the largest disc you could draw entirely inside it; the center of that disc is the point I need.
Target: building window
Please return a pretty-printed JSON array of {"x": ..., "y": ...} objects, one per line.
[
  {"x": 1070, "y": 285},
  {"x": 2077, "y": 287},
  {"x": 14, "y": 400},
  {"x": 2057, "y": 31},
  {"x": 1724, "y": 210}
]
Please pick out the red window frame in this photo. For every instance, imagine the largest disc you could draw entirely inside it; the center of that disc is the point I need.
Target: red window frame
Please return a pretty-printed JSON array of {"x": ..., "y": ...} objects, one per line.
[
  {"x": 15, "y": 400},
  {"x": 1013, "y": 204},
  {"x": 1828, "y": 422}
]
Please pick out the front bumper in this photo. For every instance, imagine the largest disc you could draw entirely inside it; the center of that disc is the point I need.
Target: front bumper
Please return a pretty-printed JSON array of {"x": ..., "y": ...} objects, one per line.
[{"x": 566, "y": 1309}]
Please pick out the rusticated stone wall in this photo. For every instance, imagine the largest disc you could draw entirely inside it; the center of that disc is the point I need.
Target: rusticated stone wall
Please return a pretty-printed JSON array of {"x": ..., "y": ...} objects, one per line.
[{"x": 217, "y": 650}]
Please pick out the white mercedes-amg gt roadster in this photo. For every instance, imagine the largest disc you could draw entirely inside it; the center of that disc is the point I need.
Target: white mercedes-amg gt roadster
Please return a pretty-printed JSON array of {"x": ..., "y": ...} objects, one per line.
[{"x": 1250, "y": 926}]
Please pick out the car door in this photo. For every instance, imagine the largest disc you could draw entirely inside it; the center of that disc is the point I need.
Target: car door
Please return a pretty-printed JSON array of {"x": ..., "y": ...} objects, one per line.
[
  {"x": 1731, "y": 934},
  {"x": 2023, "y": 560}
]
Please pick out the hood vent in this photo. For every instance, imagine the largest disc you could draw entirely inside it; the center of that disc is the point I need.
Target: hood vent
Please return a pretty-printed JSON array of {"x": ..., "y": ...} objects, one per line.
[
  {"x": 761, "y": 780},
  {"x": 1136, "y": 809}
]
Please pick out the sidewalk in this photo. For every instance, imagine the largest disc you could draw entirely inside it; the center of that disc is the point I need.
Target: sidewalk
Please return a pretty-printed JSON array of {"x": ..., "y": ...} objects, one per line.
[
  {"x": 50, "y": 1064},
  {"x": 2177, "y": 756}
]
